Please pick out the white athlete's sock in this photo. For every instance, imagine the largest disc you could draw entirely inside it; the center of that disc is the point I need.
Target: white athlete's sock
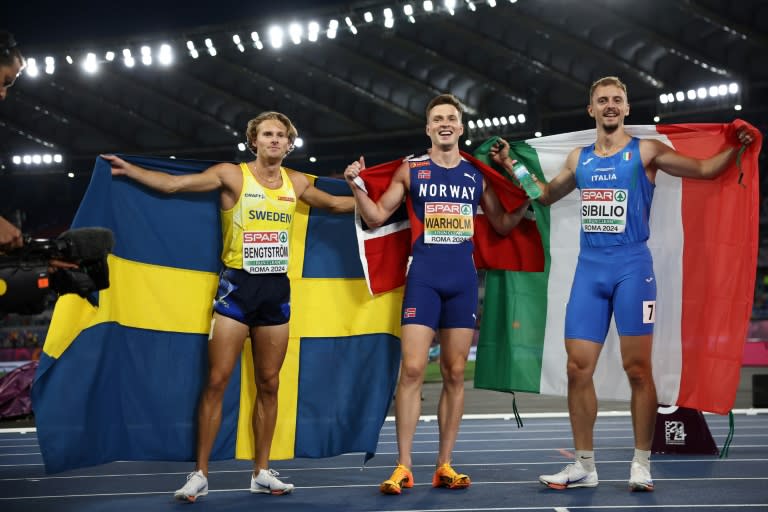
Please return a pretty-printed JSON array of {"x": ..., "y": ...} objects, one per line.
[
  {"x": 642, "y": 457},
  {"x": 586, "y": 458}
]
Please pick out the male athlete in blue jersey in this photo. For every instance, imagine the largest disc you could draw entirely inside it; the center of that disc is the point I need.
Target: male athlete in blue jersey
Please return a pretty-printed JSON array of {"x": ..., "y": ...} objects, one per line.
[
  {"x": 442, "y": 192},
  {"x": 614, "y": 274}
]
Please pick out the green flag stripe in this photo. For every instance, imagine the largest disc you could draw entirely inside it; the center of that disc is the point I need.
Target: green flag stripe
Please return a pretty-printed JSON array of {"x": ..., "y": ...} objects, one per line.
[{"x": 509, "y": 352}]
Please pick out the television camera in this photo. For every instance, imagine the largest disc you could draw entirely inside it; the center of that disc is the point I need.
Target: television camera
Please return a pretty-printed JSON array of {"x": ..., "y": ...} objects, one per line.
[{"x": 30, "y": 275}]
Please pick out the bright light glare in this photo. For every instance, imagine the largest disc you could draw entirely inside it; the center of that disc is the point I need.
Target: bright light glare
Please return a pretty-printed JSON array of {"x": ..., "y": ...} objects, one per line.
[
  {"x": 166, "y": 56},
  {"x": 276, "y": 37},
  {"x": 299, "y": 142},
  {"x": 295, "y": 31},
  {"x": 89, "y": 64}
]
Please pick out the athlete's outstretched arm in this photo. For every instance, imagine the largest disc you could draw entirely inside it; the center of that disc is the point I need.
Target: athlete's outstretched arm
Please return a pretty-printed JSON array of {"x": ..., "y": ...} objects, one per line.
[
  {"x": 375, "y": 213},
  {"x": 210, "y": 179},
  {"x": 316, "y": 198},
  {"x": 501, "y": 220},
  {"x": 664, "y": 158},
  {"x": 562, "y": 185}
]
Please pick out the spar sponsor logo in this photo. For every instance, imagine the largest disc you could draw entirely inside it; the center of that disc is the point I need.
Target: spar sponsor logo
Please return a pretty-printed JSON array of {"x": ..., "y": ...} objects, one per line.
[{"x": 265, "y": 237}]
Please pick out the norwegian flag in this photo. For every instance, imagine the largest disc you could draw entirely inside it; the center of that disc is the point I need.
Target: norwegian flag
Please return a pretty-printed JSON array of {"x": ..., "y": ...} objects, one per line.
[{"x": 384, "y": 251}]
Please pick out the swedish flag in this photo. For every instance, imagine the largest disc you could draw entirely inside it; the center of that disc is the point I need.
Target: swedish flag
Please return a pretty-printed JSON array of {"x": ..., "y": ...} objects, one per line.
[{"x": 120, "y": 381}]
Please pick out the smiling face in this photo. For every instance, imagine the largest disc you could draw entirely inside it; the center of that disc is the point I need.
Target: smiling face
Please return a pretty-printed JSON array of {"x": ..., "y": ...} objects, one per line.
[
  {"x": 444, "y": 126},
  {"x": 609, "y": 106}
]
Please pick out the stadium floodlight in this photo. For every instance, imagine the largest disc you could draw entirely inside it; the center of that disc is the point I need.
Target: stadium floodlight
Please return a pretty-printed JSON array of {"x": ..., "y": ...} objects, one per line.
[
  {"x": 733, "y": 88},
  {"x": 701, "y": 93},
  {"x": 70, "y": 174},
  {"x": 57, "y": 158},
  {"x": 146, "y": 55},
  {"x": 275, "y": 36},
  {"x": 408, "y": 10},
  {"x": 32, "y": 70},
  {"x": 521, "y": 118},
  {"x": 241, "y": 146},
  {"x": 27, "y": 159},
  {"x": 428, "y": 6},
  {"x": 512, "y": 119},
  {"x": 16, "y": 160},
  {"x": 535, "y": 134},
  {"x": 165, "y": 56},
  {"x": 37, "y": 159},
  {"x": 351, "y": 25},
  {"x": 713, "y": 91},
  {"x": 109, "y": 56},
  {"x": 467, "y": 142},
  {"x": 295, "y": 32},
  {"x": 90, "y": 65},
  {"x": 450, "y": 5},
  {"x": 663, "y": 98},
  {"x": 491, "y": 3},
  {"x": 313, "y": 30},
  {"x": 236, "y": 39},
  {"x": 368, "y": 16},
  {"x": 503, "y": 121},
  {"x": 722, "y": 89},
  {"x": 495, "y": 121},
  {"x": 737, "y": 107},
  {"x": 312, "y": 159},
  {"x": 471, "y": 124},
  {"x": 299, "y": 142},
  {"x": 47, "y": 159},
  {"x": 69, "y": 60},
  {"x": 680, "y": 96},
  {"x": 389, "y": 18},
  {"x": 50, "y": 65},
  {"x": 691, "y": 94},
  {"x": 471, "y": 6}
]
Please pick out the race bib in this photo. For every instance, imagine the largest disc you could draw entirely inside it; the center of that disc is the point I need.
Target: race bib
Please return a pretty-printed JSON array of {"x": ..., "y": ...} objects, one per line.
[
  {"x": 604, "y": 210},
  {"x": 265, "y": 252},
  {"x": 448, "y": 223}
]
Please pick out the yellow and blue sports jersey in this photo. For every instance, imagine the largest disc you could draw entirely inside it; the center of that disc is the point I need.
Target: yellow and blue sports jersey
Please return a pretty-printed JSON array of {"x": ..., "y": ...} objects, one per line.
[
  {"x": 616, "y": 197},
  {"x": 256, "y": 231}
]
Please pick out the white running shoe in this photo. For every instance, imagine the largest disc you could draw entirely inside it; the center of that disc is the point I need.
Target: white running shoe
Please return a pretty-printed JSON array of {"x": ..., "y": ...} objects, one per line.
[
  {"x": 267, "y": 482},
  {"x": 197, "y": 485},
  {"x": 640, "y": 478},
  {"x": 572, "y": 475}
]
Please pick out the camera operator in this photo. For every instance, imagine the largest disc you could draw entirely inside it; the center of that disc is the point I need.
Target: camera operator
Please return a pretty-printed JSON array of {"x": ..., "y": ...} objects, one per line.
[{"x": 11, "y": 64}]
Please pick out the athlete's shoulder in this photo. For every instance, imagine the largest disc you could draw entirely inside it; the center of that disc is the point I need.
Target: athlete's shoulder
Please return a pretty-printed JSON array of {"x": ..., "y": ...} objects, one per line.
[{"x": 418, "y": 161}]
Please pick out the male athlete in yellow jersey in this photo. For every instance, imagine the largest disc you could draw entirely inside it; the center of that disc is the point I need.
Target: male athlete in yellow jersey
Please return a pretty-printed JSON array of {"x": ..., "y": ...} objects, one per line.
[{"x": 258, "y": 200}]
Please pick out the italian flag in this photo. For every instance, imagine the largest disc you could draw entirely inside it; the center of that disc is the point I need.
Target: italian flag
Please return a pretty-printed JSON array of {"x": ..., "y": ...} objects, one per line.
[{"x": 704, "y": 240}]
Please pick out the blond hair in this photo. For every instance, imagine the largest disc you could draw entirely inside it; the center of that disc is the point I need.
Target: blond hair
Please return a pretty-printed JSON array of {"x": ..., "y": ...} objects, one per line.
[
  {"x": 607, "y": 80},
  {"x": 252, "y": 130}
]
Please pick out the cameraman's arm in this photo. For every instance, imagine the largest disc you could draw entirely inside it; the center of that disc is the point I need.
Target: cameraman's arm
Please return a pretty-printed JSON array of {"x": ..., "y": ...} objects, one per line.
[
  {"x": 10, "y": 236},
  {"x": 164, "y": 182}
]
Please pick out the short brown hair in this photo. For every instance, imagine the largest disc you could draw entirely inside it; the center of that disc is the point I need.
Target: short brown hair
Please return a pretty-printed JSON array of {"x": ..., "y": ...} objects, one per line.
[
  {"x": 445, "y": 99},
  {"x": 607, "y": 80},
  {"x": 252, "y": 130}
]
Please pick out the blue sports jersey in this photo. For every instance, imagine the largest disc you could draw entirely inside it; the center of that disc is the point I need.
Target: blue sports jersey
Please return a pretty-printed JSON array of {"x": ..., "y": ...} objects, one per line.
[
  {"x": 616, "y": 197},
  {"x": 442, "y": 204},
  {"x": 441, "y": 287}
]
